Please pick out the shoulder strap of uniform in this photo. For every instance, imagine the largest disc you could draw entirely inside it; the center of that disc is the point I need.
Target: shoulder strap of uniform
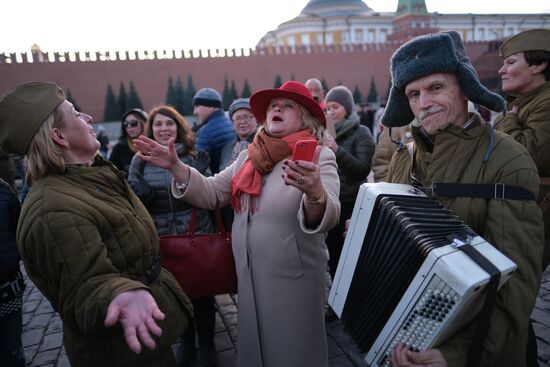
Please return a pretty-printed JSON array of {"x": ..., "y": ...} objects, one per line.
[{"x": 497, "y": 191}]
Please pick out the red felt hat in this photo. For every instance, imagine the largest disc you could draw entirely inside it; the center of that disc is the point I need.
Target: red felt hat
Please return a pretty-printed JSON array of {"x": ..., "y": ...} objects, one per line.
[{"x": 292, "y": 90}]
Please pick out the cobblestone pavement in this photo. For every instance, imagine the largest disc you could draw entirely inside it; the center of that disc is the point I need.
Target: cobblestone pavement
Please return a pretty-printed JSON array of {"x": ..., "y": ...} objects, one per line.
[{"x": 42, "y": 332}]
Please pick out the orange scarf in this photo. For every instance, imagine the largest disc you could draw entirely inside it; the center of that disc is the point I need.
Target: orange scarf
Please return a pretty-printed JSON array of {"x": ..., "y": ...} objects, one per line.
[{"x": 263, "y": 153}]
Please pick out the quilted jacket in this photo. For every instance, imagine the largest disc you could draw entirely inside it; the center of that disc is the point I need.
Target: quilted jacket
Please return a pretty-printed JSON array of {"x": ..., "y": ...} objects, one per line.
[{"x": 85, "y": 238}]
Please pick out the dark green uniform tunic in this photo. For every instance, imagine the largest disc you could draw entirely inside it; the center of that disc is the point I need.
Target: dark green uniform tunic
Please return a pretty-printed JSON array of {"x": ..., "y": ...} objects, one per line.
[
  {"x": 85, "y": 238},
  {"x": 531, "y": 128}
]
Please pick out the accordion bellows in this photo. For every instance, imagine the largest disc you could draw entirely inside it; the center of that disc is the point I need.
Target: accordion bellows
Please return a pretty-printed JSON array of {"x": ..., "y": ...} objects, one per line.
[{"x": 400, "y": 278}]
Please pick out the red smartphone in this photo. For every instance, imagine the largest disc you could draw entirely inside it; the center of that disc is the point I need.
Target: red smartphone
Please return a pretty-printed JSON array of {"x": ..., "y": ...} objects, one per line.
[{"x": 304, "y": 150}]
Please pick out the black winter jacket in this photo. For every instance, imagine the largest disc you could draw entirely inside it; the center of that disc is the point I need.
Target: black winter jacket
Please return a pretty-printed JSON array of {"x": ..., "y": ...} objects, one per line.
[
  {"x": 122, "y": 155},
  {"x": 9, "y": 215},
  {"x": 354, "y": 156}
]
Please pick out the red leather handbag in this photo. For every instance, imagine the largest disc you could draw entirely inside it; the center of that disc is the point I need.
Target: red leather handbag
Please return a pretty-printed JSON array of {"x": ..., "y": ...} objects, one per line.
[{"x": 203, "y": 264}]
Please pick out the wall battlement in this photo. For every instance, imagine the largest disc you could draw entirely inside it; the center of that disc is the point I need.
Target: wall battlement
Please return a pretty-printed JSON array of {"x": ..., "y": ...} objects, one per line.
[
  {"x": 144, "y": 55},
  {"x": 87, "y": 74}
]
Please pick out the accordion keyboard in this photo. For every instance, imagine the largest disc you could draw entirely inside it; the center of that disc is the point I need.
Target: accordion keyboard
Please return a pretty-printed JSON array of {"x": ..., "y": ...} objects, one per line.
[{"x": 435, "y": 305}]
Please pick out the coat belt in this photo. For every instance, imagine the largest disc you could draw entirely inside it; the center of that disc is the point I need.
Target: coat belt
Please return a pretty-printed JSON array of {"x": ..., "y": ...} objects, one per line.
[{"x": 152, "y": 274}]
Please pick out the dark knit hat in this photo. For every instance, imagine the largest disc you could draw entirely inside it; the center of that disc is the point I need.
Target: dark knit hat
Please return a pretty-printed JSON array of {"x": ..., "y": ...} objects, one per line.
[
  {"x": 531, "y": 40},
  {"x": 238, "y": 104},
  {"x": 341, "y": 95},
  {"x": 207, "y": 97},
  {"x": 23, "y": 110},
  {"x": 429, "y": 54}
]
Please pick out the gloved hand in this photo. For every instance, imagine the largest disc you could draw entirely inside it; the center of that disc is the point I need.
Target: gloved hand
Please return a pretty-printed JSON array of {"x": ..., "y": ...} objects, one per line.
[
  {"x": 202, "y": 161},
  {"x": 141, "y": 187}
]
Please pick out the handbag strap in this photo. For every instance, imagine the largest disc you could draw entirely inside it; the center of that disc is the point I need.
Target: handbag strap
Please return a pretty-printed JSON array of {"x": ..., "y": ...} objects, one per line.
[{"x": 219, "y": 222}]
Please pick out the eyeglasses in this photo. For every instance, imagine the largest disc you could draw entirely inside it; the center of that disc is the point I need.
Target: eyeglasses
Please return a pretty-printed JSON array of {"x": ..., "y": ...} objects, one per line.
[
  {"x": 132, "y": 123},
  {"x": 246, "y": 117}
]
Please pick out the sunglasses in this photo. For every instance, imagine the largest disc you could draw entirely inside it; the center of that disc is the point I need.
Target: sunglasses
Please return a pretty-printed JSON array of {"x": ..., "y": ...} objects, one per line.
[{"x": 132, "y": 123}]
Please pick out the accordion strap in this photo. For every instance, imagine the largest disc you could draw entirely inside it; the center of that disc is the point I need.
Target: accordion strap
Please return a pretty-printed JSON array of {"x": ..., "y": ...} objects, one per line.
[
  {"x": 482, "y": 327},
  {"x": 497, "y": 191}
]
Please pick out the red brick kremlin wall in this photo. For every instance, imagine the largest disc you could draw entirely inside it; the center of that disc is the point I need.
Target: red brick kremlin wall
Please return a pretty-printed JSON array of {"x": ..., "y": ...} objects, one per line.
[{"x": 87, "y": 80}]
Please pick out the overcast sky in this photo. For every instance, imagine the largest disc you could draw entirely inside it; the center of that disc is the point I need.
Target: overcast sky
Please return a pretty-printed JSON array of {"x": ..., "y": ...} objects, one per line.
[{"x": 73, "y": 25}]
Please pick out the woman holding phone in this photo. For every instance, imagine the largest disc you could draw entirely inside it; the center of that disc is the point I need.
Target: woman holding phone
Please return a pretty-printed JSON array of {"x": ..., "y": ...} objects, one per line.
[
  {"x": 354, "y": 148},
  {"x": 283, "y": 208}
]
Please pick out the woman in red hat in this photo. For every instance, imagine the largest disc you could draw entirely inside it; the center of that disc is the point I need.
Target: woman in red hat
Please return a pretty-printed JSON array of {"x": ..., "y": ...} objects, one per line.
[{"x": 283, "y": 208}]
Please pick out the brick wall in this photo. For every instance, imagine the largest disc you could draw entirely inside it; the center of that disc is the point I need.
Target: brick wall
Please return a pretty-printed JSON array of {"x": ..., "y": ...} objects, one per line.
[{"x": 87, "y": 80}]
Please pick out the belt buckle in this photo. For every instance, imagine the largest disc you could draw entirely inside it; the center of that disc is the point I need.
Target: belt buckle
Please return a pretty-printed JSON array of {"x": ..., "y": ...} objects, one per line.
[
  {"x": 430, "y": 191},
  {"x": 496, "y": 192},
  {"x": 15, "y": 286}
]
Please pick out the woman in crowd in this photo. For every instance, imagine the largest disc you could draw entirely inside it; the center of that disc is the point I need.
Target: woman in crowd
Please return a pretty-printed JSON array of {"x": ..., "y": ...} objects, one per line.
[
  {"x": 133, "y": 125},
  {"x": 152, "y": 183},
  {"x": 86, "y": 240},
  {"x": 526, "y": 79},
  {"x": 353, "y": 147},
  {"x": 283, "y": 208}
]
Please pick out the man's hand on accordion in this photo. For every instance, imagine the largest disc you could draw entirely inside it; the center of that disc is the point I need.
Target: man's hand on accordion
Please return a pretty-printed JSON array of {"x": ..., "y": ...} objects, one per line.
[
  {"x": 346, "y": 226},
  {"x": 403, "y": 357}
]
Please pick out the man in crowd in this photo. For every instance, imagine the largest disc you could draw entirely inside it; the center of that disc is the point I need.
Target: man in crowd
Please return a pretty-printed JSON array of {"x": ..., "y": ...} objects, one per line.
[
  {"x": 432, "y": 81},
  {"x": 215, "y": 128},
  {"x": 316, "y": 88}
]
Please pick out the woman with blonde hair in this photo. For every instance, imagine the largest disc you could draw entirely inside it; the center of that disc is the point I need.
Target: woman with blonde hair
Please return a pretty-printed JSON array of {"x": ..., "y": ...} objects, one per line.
[
  {"x": 86, "y": 240},
  {"x": 283, "y": 209}
]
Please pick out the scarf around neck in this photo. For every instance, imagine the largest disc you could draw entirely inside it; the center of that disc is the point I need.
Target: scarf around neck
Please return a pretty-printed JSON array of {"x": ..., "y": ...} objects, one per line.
[{"x": 263, "y": 153}]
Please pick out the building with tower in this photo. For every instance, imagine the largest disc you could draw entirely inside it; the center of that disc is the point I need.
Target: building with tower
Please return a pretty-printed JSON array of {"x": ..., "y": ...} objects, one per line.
[{"x": 333, "y": 22}]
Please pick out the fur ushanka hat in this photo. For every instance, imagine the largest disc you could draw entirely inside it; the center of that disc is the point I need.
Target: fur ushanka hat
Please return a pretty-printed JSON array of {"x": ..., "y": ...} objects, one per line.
[{"x": 441, "y": 52}]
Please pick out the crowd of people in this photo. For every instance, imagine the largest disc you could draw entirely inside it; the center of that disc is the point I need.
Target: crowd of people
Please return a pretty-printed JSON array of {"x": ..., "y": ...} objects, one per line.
[{"x": 88, "y": 229}]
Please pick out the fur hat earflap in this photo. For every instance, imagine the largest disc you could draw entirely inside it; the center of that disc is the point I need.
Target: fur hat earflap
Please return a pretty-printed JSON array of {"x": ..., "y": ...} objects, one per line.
[{"x": 441, "y": 52}]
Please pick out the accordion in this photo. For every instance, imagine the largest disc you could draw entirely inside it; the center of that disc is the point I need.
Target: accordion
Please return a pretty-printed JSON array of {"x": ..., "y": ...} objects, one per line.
[{"x": 401, "y": 277}]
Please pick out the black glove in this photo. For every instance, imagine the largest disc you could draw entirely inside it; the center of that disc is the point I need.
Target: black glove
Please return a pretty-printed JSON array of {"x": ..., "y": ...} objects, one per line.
[
  {"x": 202, "y": 162},
  {"x": 141, "y": 187}
]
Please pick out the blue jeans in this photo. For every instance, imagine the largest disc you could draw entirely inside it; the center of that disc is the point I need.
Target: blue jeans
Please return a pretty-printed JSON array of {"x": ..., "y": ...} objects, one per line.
[{"x": 11, "y": 348}]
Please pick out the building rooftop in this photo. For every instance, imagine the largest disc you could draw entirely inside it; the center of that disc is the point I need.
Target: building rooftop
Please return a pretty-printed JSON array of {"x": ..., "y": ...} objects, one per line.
[{"x": 329, "y": 8}]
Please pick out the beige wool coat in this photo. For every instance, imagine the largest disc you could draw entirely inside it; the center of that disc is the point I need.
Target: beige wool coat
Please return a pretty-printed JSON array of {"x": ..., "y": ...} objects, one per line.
[{"x": 280, "y": 265}]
